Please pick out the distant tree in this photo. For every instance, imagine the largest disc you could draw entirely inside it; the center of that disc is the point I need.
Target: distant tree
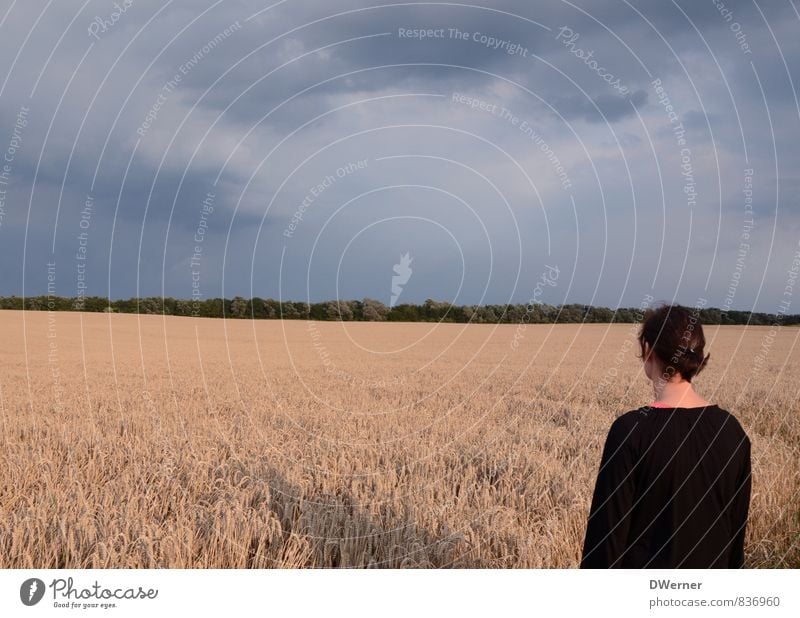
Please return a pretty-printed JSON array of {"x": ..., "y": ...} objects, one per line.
[
  {"x": 337, "y": 310},
  {"x": 303, "y": 310},
  {"x": 272, "y": 308},
  {"x": 710, "y": 316},
  {"x": 569, "y": 314},
  {"x": 212, "y": 308},
  {"x": 515, "y": 313},
  {"x": 182, "y": 307},
  {"x": 11, "y": 302},
  {"x": 601, "y": 314},
  {"x": 346, "y": 312},
  {"x": 456, "y": 314},
  {"x": 331, "y": 310},
  {"x": 469, "y": 312},
  {"x": 257, "y": 308},
  {"x": 405, "y": 313},
  {"x": 240, "y": 308},
  {"x": 96, "y": 303},
  {"x": 624, "y": 315},
  {"x": 287, "y": 311},
  {"x": 149, "y": 306},
  {"x": 487, "y": 315},
  {"x": 739, "y": 317},
  {"x": 374, "y": 310},
  {"x": 168, "y": 305}
]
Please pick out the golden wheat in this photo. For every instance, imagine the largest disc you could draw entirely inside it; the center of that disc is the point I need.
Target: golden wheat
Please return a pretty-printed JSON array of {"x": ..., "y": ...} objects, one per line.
[{"x": 176, "y": 442}]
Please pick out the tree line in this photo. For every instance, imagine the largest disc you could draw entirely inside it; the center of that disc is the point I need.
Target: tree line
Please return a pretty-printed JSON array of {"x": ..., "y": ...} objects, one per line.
[{"x": 371, "y": 310}]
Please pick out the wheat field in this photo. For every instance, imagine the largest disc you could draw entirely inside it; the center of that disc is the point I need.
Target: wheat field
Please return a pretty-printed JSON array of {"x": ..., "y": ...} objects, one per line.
[{"x": 144, "y": 441}]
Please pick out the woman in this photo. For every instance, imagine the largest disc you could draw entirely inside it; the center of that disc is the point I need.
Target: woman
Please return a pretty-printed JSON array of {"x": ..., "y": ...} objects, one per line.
[{"x": 673, "y": 488}]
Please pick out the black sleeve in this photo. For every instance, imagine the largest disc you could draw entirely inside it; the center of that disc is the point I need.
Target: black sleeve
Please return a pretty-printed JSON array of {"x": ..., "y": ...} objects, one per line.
[
  {"x": 612, "y": 503},
  {"x": 739, "y": 508}
]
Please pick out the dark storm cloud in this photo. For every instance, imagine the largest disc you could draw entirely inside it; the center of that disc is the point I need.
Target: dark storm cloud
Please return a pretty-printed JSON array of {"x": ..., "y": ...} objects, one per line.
[
  {"x": 148, "y": 148},
  {"x": 602, "y": 108}
]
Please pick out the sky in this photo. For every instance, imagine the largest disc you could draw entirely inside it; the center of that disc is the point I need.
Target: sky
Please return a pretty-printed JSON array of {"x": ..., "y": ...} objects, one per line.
[{"x": 601, "y": 152}]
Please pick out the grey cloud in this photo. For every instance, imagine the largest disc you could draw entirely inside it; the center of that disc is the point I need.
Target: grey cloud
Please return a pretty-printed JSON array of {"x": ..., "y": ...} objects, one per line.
[
  {"x": 619, "y": 146},
  {"x": 602, "y": 108}
]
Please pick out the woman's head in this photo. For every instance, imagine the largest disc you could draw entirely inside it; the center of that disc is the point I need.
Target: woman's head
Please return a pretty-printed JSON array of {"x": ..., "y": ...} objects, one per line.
[{"x": 672, "y": 342}]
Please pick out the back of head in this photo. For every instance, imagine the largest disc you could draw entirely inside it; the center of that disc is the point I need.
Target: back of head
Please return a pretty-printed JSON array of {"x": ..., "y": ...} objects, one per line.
[{"x": 675, "y": 335}]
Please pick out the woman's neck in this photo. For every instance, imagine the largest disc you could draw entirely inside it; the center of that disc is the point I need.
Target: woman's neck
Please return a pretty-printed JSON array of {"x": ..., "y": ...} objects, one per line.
[{"x": 678, "y": 394}]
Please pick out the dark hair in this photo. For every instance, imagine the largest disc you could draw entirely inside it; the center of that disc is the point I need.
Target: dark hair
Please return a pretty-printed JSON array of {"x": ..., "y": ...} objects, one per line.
[{"x": 675, "y": 335}]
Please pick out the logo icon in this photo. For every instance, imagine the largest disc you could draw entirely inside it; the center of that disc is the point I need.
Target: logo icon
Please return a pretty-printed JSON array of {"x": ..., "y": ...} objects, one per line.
[
  {"x": 31, "y": 591},
  {"x": 403, "y": 274}
]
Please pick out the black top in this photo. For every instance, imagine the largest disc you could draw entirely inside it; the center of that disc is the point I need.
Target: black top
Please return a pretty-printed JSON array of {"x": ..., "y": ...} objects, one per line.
[{"x": 673, "y": 491}]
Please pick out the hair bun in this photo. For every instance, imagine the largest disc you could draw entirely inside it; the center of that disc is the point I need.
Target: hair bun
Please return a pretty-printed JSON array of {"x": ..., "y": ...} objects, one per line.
[{"x": 675, "y": 335}]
